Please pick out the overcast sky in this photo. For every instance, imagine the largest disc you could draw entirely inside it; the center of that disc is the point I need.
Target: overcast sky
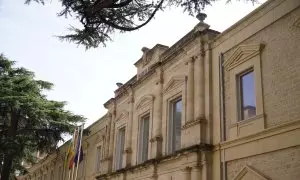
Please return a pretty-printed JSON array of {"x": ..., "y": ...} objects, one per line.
[{"x": 87, "y": 79}]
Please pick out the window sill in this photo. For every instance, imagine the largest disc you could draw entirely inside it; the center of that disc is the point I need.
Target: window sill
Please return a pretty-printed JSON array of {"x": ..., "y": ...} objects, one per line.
[{"x": 246, "y": 127}]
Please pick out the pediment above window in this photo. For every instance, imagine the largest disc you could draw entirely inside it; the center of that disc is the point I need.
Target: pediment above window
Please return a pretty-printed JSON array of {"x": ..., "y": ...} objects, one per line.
[
  {"x": 124, "y": 114},
  {"x": 297, "y": 23},
  {"x": 248, "y": 173},
  {"x": 174, "y": 83},
  {"x": 242, "y": 54},
  {"x": 144, "y": 101}
]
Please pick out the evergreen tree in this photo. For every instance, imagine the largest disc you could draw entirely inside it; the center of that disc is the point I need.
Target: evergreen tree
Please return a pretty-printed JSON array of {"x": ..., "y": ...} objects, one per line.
[
  {"x": 101, "y": 18},
  {"x": 29, "y": 122}
]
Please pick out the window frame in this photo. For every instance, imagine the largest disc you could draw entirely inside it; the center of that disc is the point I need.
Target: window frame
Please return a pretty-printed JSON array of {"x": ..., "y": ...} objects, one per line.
[
  {"x": 141, "y": 150},
  {"x": 98, "y": 158},
  {"x": 240, "y": 93},
  {"x": 243, "y": 58},
  {"x": 119, "y": 165},
  {"x": 171, "y": 146}
]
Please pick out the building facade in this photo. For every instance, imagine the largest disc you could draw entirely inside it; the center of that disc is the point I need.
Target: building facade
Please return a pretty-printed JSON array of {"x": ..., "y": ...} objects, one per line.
[{"x": 212, "y": 106}]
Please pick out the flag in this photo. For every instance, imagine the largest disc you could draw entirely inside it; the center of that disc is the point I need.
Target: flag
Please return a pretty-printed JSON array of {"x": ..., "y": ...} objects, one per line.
[
  {"x": 72, "y": 149},
  {"x": 78, "y": 149},
  {"x": 69, "y": 152}
]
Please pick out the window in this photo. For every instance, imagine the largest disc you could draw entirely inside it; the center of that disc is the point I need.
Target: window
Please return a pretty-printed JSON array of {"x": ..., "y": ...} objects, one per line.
[
  {"x": 98, "y": 158},
  {"x": 247, "y": 106},
  {"x": 144, "y": 139},
  {"x": 120, "y": 148},
  {"x": 245, "y": 101},
  {"x": 175, "y": 111}
]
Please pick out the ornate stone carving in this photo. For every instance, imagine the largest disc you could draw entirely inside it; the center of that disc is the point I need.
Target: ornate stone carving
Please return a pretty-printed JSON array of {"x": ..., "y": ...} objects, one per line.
[
  {"x": 156, "y": 138},
  {"x": 297, "y": 23},
  {"x": 173, "y": 83},
  {"x": 242, "y": 54},
  {"x": 122, "y": 115},
  {"x": 249, "y": 173},
  {"x": 144, "y": 101}
]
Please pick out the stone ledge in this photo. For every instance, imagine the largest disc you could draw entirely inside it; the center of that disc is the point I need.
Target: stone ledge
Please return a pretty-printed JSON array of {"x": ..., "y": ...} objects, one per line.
[
  {"x": 155, "y": 161},
  {"x": 200, "y": 120}
]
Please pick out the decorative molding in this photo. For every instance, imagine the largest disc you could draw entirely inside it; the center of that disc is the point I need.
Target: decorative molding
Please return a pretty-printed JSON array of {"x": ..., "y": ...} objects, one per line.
[
  {"x": 156, "y": 138},
  {"x": 128, "y": 150},
  {"x": 193, "y": 123},
  {"x": 144, "y": 101},
  {"x": 173, "y": 83},
  {"x": 122, "y": 115},
  {"x": 297, "y": 23},
  {"x": 242, "y": 54},
  {"x": 254, "y": 174}
]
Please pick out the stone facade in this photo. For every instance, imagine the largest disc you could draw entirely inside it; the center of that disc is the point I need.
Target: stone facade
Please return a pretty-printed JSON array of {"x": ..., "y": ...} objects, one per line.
[{"x": 197, "y": 80}]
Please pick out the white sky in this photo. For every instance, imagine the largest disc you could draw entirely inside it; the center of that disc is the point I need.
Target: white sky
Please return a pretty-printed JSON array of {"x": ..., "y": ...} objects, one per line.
[{"x": 86, "y": 79}]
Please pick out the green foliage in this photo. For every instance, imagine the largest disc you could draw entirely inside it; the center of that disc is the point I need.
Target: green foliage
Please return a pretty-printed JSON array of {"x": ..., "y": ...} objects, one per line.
[
  {"x": 29, "y": 122},
  {"x": 101, "y": 18}
]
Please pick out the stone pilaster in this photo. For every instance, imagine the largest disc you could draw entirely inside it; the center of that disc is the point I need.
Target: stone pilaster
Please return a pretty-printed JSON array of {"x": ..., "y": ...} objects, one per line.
[
  {"x": 190, "y": 90},
  {"x": 157, "y": 135},
  {"x": 186, "y": 173},
  {"x": 200, "y": 86},
  {"x": 128, "y": 148},
  {"x": 196, "y": 173},
  {"x": 111, "y": 139},
  {"x": 108, "y": 137}
]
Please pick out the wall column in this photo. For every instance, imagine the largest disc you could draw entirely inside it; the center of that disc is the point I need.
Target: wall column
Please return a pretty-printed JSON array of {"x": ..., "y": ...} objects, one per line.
[
  {"x": 157, "y": 120},
  {"x": 111, "y": 139},
  {"x": 196, "y": 173},
  {"x": 186, "y": 173},
  {"x": 204, "y": 165},
  {"x": 190, "y": 90},
  {"x": 128, "y": 149},
  {"x": 200, "y": 86},
  {"x": 108, "y": 137}
]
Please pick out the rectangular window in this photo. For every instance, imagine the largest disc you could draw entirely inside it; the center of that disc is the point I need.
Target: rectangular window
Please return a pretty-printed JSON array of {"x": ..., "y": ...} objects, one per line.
[
  {"x": 98, "y": 158},
  {"x": 174, "y": 132},
  {"x": 247, "y": 105},
  {"x": 144, "y": 139},
  {"x": 120, "y": 148}
]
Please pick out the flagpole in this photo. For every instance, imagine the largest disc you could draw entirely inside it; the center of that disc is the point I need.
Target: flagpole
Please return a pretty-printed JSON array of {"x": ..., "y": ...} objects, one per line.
[
  {"x": 79, "y": 150},
  {"x": 71, "y": 172},
  {"x": 64, "y": 167}
]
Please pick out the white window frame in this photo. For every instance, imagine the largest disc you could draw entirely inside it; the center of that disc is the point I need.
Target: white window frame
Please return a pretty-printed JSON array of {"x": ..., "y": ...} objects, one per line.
[
  {"x": 170, "y": 133},
  {"x": 140, "y": 139},
  {"x": 98, "y": 158},
  {"x": 119, "y": 162}
]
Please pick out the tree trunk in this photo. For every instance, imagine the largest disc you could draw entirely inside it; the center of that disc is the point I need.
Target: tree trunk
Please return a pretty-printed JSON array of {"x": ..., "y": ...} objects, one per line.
[
  {"x": 6, "y": 168},
  {"x": 8, "y": 156}
]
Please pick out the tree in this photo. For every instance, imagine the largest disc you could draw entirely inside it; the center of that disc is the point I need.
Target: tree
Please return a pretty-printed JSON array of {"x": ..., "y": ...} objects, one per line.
[
  {"x": 101, "y": 18},
  {"x": 29, "y": 122}
]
